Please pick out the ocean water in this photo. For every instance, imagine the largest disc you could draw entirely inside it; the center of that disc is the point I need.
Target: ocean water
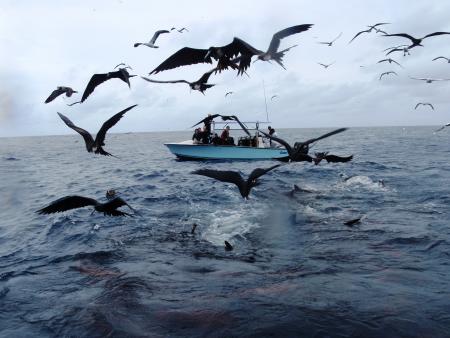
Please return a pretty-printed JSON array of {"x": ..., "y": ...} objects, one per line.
[{"x": 296, "y": 269}]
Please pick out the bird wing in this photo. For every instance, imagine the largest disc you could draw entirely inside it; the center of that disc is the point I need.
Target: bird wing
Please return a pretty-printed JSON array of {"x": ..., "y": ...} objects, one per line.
[
  {"x": 224, "y": 176},
  {"x": 95, "y": 80},
  {"x": 430, "y": 105},
  {"x": 440, "y": 57},
  {"x": 279, "y": 140},
  {"x": 205, "y": 77},
  {"x": 381, "y": 23},
  {"x": 396, "y": 63},
  {"x": 67, "y": 203},
  {"x": 334, "y": 132},
  {"x": 418, "y": 78},
  {"x": 116, "y": 203},
  {"x": 384, "y": 60},
  {"x": 337, "y": 37},
  {"x": 122, "y": 74},
  {"x": 157, "y": 81},
  {"x": 417, "y": 105},
  {"x": 394, "y": 50},
  {"x": 322, "y": 64},
  {"x": 359, "y": 33},
  {"x": 244, "y": 128},
  {"x": 402, "y": 35},
  {"x": 434, "y": 34},
  {"x": 100, "y": 138},
  {"x": 240, "y": 46},
  {"x": 275, "y": 42},
  {"x": 157, "y": 33},
  {"x": 258, "y": 172},
  {"x": 185, "y": 56},
  {"x": 58, "y": 91},
  {"x": 335, "y": 159},
  {"x": 212, "y": 117},
  {"x": 88, "y": 139}
]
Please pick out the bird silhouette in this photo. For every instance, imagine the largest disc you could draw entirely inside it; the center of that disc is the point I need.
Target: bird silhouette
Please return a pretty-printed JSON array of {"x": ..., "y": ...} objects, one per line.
[
  {"x": 416, "y": 41},
  {"x": 390, "y": 61},
  {"x": 98, "y": 79},
  {"x": 326, "y": 65},
  {"x": 329, "y": 44},
  {"x": 331, "y": 158},
  {"x": 387, "y": 73},
  {"x": 74, "y": 202},
  {"x": 96, "y": 145},
  {"x": 371, "y": 28},
  {"x": 442, "y": 57},
  {"x": 234, "y": 177},
  {"x": 427, "y": 80},
  {"x": 446, "y": 125},
  {"x": 424, "y": 104},
  {"x": 225, "y": 54},
  {"x": 299, "y": 152},
  {"x": 152, "y": 41},
  {"x": 58, "y": 91}
]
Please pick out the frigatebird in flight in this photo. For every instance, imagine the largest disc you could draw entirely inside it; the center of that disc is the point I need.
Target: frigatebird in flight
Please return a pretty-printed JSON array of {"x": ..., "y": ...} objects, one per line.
[
  {"x": 416, "y": 41},
  {"x": 210, "y": 117},
  {"x": 447, "y": 125},
  {"x": 180, "y": 30},
  {"x": 371, "y": 28},
  {"x": 390, "y": 61},
  {"x": 73, "y": 202},
  {"x": 96, "y": 145},
  {"x": 98, "y": 79},
  {"x": 326, "y": 65},
  {"x": 234, "y": 177},
  {"x": 152, "y": 41},
  {"x": 329, "y": 44},
  {"x": 299, "y": 152},
  {"x": 424, "y": 104},
  {"x": 442, "y": 57},
  {"x": 225, "y": 54},
  {"x": 58, "y": 91},
  {"x": 228, "y": 93},
  {"x": 427, "y": 80},
  {"x": 387, "y": 73}
]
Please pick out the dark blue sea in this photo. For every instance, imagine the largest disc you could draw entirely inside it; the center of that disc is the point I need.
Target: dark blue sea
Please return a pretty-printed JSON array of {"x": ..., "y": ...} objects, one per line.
[{"x": 296, "y": 270}]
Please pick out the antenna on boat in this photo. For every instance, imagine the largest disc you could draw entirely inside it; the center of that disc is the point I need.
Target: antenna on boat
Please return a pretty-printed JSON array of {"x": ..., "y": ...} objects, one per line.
[{"x": 265, "y": 102}]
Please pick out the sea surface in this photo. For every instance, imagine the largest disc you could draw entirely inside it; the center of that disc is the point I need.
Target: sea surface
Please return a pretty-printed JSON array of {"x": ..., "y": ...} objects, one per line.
[{"x": 296, "y": 270}]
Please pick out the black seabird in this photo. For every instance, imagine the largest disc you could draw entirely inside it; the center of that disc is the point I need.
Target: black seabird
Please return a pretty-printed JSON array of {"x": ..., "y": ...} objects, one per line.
[
  {"x": 390, "y": 61},
  {"x": 228, "y": 93},
  {"x": 96, "y": 145},
  {"x": 152, "y": 41},
  {"x": 326, "y": 65},
  {"x": 424, "y": 104},
  {"x": 329, "y": 44},
  {"x": 299, "y": 152},
  {"x": 371, "y": 28},
  {"x": 416, "y": 41},
  {"x": 73, "y": 202},
  {"x": 427, "y": 80},
  {"x": 442, "y": 57},
  {"x": 387, "y": 73},
  {"x": 331, "y": 158},
  {"x": 58, "y": 91},
  {"x": 98, "y": 79},
  {"x": 447, "y": 125},
  {"x": 236, "y": 178}
]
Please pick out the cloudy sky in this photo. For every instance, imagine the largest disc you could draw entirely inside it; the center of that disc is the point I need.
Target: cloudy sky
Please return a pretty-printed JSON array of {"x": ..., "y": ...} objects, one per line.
[{"x": 44, "y": 44}]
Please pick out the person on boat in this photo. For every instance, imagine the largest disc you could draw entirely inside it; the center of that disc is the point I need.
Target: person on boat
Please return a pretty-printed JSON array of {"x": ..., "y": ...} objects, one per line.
[
  {"x": 273, "y": 133},
  {"x": 216, "y": 140},
  {"x": 207, "y": 126},
  {"x": 197, "y": 137},
  {"x": 225, "y": 137}
]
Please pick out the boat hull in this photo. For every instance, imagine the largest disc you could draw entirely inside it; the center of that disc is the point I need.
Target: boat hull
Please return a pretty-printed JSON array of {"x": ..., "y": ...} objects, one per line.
[{"x": 213, "y": 152}]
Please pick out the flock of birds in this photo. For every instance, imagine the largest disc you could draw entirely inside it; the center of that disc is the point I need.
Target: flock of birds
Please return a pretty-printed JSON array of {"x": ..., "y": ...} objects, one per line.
[{"x": 237, "y": 56}]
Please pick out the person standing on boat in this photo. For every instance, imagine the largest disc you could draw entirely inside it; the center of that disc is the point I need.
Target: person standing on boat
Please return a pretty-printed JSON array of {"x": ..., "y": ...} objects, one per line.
[
  {"x": 226, "y": 139},
  {"x": 273, "y": 133},
  {"x": 207, "y": 129},
  {"x": 197, "y": 137}
]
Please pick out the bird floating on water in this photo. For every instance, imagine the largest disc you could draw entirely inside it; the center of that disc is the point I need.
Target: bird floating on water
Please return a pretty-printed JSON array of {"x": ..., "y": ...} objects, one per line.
[
  {"x": 96, "y": 145},
  {"x": 387, "y": 73},
  {"x": 73, "y": 202},
  {"x": 152, "y": 41},
  {"x": 424, "y": 104},
  {"x": 58, "y": 91},
  {"x": 234, "y": 177},
  {"x": 329, "y": 44},
  {"x": 371, "y": 28}
]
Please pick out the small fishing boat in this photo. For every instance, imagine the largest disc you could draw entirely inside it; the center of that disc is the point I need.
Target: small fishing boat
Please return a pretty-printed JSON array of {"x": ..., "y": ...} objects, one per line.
[{"x": 248, "y": 147}]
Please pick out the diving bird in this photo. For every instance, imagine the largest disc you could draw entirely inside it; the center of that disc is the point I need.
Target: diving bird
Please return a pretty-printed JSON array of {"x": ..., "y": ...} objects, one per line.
[
  {"x": 387, "y": 73},
  {"x": 96, "y": 145},
  {"x": 74, "y": 202},
  {"x": 416, "y": 41},
  {"x": 234, "y": 177},
  {"x": 98, "y": 79},
  {"x": 331, "y": 158},
  {"x": 390, "y": 61},
  {"x": 424, "y": 104},
  {"x": 299, "y": 152},
  {"x": 442, "y": 57},
  {"x": 326, "y": 65},
  {"x": 427, "y": 80},
  {"x": 201, "y": 84},
  {"x": 225, "y": 54},
  {"x": 152, "y": 41},
  {"x": 58, "y": 91},
  {"x": 228, "y": 93},
  {"x": 447, "y": 125},
  {"x": 331, "y": 42},
  {"x": 371, "y": 28}
]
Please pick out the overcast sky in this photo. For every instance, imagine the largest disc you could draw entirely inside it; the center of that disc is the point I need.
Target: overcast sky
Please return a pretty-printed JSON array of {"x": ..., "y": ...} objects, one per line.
[{"x": 44, "y": 44}]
